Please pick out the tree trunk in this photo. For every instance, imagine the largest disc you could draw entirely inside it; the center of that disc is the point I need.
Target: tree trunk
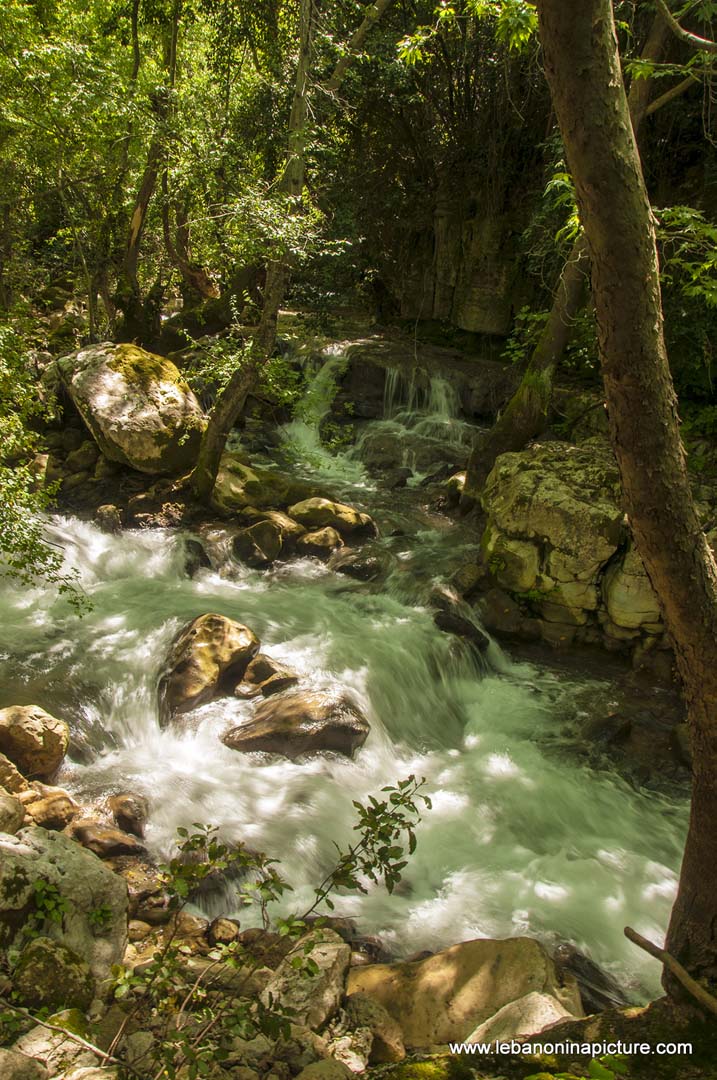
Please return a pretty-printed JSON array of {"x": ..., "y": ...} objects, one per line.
[
  {"x": 526, "y": 414},
  {"x": 583, "y": 69}
]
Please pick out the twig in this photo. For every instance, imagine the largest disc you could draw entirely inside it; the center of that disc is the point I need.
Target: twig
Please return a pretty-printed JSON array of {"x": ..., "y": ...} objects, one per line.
[
  {"x": 675, "y": 967},
  {"x": 101, "y": 1054}
]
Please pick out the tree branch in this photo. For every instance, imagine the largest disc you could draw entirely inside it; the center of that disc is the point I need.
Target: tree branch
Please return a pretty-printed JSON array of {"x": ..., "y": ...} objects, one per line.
[
  {"x": 374, "y": 12},
  {"x": 694, "y": 40},
  {"x": 698, "y": 992},
  {"x": 670, "y": 95}
]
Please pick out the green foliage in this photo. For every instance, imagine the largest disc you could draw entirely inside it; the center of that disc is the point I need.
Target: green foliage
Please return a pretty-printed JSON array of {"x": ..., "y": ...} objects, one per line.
[
  {"x": 515, "y": 23},
  {"x": 608, "y": 1067},
  {"x": 195, "y": 1021},
  {"x": 25, "y": 553}
]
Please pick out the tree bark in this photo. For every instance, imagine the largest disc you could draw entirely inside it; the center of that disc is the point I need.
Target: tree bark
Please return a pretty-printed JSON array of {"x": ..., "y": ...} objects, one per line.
[
  {"x": 526, "y": 414},
  {"x": 583, "y": 70}
]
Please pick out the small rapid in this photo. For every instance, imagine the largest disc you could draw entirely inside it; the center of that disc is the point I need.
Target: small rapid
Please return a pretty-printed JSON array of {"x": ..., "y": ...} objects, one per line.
[{"x": 523, "y": 837}]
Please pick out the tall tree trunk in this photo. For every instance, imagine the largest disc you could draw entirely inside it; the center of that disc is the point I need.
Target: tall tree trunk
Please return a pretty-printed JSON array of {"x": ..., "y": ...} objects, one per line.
[
  {"x": 526, "y": 414},
  {"x": 583, "y": 69},
  {"x": 231, "y": 401}
]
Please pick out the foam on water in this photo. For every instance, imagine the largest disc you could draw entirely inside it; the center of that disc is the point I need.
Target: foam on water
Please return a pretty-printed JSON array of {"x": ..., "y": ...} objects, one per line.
[{"x": 522, "y": 837}]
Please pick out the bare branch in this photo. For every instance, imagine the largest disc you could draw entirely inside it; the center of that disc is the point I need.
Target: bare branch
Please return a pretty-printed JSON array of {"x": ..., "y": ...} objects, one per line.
[
  {"x": 697, "y": 42},
  {"x": 706, "y": 1000}
]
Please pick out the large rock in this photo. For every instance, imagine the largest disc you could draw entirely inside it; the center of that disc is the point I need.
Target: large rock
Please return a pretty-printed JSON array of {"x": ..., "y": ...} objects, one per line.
[
  {"x": 208, "y": 659},
  {"x": 17, "y": 1066},
  {"x": 12, "y": 813},
  {"x": 83, "y": 883},
  {"x": 319, "y": 513},
  {"x": 136, "y": 405},
  {"x": 10, "y": 778},
  {"x": 240, "y": 485},
  {"x": 48, "y": 974},
  {"x": 314, "y": 992},
  {"x": 629, "y": 597},
  {"x": 387, "y": 1045},
  {"x": 518, "y": 1019},
  {"x": 300, "y": 722},
  {"x": 259, "y": 545},
  {"x": 447, "y": 996},
  {"x": 33, "y": 740},
  {"x": 265, "y": 677}
]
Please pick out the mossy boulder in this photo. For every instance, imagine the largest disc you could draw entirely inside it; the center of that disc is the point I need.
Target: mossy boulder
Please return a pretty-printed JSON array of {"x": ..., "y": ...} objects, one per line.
[
  {"x": 240, "y": 485},
  {"x": 136, "y": 405},
  {"x": 208, "y": 659},
  {"x": 48, "y": 974}
]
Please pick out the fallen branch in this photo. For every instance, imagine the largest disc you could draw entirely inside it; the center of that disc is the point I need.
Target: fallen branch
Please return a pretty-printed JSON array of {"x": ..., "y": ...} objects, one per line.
[
  {"x": 101, "y": 1054},
  {"x": 698, "y": 992}
]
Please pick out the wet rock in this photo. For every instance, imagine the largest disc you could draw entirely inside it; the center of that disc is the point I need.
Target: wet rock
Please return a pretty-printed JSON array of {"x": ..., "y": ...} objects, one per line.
[
  {"x": 598, "y": 989},
  {"x": 136, "y": 406},
  {"x": 108, "y": 517},
  {"x": 12, "y": 813},
  {"x": 446, "y": 997},
  {"x": 502, "y": 615},
  {"x": 10, "y": 778},
  {"x": 363, "y": 1011},
  {"x": 321, "y": 543},
  {"x": 454, "y": 487},
  {"x": 223, "y": 931},
  {"x": 48, "y": 974},
  {"x": 314, "y": 994},
  {"x": 207, "y": 660},
  {"x": 33, "y": 740},
  {"x": 364, "y": 565},
  {"x": 55, "y": 811},
  {"x": 298, "y": 722},
  {"x": 525, "y": 1016},
  {"x": 260, "y": 545},
  {"x": 130, "y": 811},
  {"x": 196, "y": 558},
  {"x": 397, "y": 478},
  {"x": 17, "y": 1066},
  {"x": 105, "y": 841},
  {"x": 319, "y": 513},
  {"x": 265, "y": 676},
  {"x": 453, "y": 617}
]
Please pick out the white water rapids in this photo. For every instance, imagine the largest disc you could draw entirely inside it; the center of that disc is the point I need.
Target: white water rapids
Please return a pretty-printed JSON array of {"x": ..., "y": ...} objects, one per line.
[{"x": 523, "y": 836}]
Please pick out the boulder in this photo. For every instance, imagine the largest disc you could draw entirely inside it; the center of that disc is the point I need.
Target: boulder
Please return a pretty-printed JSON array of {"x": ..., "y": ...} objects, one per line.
[
  {"x": 17, "y": 1066},
  {"x": 130, "y": 811},
  {"x": 10, "y": 779},
  {"x": 318, "y": 513},
  {"x": 196, "y": 558},
  {"x": 328, "y": 1069},
  {"x": 265, "y": 676},
  {"x": 12, "y": 813},
  {"x": 240, "y": 485},
  {"x": 321, "y": 543},
  {"x": 447, "y": 996},
  {"x": 108, "y": 517},
  {"x": 223, "y": 931},
  {"x": 33, "y": 740},
  {"x": 54, "y": 1051},
  {"x": 315, "y": 992},
  {"x": 54, "y": 811},
  {"x": 207, "y": 659},
  {"x": 105, "y": 841},
  {"x": 48, "y": 974},
  {"x": 364, "y": 565},
  {"x": 523, "y": 1017},
  {"x": 299, "y": 722},
  {"x": 136, "y": 406},
  {"x": 83, "y": 883},
  {"x": 260, "y": 545},
  {"x": 363, "y": 1011}
]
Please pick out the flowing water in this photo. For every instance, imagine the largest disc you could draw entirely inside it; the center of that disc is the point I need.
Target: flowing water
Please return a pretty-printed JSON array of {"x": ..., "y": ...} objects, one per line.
[{"x": 523, "y": 836}]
